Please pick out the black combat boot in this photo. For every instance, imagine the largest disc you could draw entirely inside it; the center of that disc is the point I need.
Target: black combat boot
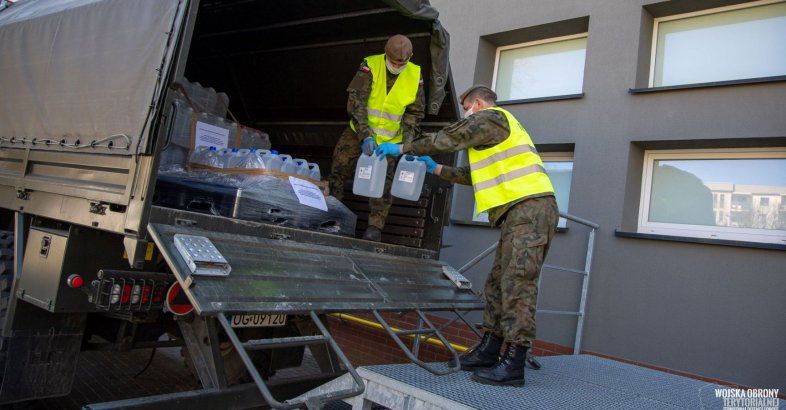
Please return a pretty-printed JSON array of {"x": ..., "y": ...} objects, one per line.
[
  {"x": 509, "y": 371},
  {"x": 485, "y": 354},
  {"x": 372, "y": 234}
]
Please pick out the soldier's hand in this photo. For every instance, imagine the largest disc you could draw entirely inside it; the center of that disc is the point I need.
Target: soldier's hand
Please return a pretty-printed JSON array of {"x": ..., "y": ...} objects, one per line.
[
  {"x": 368, "y": 146},
  {"x": 431, "y": 165},
  {"x": 389, "y": 150}
]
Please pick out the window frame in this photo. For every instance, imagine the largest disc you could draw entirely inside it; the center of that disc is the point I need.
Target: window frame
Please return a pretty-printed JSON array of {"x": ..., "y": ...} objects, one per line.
[
  {"x": 566, "y": 156},
  {"x": 656, "y": 22},
  {"x": 500, "y": 49},
  {"x": 644, "y": 226}
]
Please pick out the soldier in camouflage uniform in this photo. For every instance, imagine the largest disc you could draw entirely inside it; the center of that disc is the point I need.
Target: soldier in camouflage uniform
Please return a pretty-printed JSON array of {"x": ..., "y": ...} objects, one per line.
[
  {"x": 348, "y": 148},
  {"x": 527, "y": 228}
]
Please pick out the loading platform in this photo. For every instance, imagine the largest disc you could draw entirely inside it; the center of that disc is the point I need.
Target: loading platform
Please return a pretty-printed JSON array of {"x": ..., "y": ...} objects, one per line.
[{"x": 563, "y": 382}]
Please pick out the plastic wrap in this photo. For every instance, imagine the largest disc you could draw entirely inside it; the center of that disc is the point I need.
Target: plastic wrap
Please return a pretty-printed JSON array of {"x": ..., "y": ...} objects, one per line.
[
  {"x": 211, "y": 108},
  {"x": 205, "y": 99},
  {"x": 254, "y": 138},
  {"x": 260, "y": 198}
]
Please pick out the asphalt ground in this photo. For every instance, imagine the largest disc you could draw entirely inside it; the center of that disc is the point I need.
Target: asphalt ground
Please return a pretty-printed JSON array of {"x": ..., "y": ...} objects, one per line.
[{"x": 103, "y": 376}]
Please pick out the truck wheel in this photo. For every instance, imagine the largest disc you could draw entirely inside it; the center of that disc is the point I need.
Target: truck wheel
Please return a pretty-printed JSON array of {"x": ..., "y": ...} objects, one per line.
[{"x": 234, "y": 368}]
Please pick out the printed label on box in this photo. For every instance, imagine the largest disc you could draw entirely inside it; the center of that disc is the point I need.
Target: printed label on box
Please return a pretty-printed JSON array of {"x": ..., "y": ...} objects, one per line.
[
  {"x": 406, "y": 176},
  {"x": 364, "y": 172},
  {"x": 208, "y": 135},
  {"x": 308, "y": 194}
]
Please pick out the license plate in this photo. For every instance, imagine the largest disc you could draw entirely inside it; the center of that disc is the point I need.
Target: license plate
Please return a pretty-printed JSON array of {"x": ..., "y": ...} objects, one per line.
[{"x": 258, "y": 320}]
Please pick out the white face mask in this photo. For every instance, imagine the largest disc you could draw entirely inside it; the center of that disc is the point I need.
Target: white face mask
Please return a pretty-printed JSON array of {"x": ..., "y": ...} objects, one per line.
[
  {"x": 470, "y": 111},
  {"x": 394, "y": 70}
]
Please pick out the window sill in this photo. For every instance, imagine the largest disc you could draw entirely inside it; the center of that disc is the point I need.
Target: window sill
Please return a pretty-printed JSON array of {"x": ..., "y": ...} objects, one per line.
[
  {"x": 758, "y": 80},
  {"x": 541, "y": 99},
  {"x": 706, "y": 241}
]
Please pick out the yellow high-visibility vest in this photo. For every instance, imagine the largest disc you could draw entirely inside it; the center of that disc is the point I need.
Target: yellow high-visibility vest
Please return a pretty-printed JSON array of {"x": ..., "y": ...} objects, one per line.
[
  {"x": 385, "y": 110},
  {"x": 509, "y": 170}
]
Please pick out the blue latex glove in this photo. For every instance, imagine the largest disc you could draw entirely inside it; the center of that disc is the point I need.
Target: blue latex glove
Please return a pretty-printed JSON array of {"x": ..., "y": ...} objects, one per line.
[
  {"x": 431, "y": 165},
  {"x": 368, "y": 146},
  {"x": 389, "y": 150}
]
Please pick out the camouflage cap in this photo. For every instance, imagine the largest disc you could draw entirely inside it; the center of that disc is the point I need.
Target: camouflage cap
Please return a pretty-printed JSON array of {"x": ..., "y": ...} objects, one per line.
[
  {"x": 398, "y": 49},
  {"x": 473, "y": 88}
]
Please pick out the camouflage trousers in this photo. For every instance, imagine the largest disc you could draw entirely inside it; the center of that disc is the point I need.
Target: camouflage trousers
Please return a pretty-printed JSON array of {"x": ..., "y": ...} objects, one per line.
[
  {"x": 511, "y": 289},
  {"x": 345, "y": 157}
]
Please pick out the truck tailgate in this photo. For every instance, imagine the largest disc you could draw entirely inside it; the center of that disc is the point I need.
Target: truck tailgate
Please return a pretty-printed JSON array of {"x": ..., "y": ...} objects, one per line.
[{"x": 279, "y": 275}]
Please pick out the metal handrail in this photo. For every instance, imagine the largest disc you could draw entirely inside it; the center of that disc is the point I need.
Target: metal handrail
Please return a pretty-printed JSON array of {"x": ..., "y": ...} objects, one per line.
[
  {"x": 585, "y": 273},
  {"x": 453, "y": 363}
]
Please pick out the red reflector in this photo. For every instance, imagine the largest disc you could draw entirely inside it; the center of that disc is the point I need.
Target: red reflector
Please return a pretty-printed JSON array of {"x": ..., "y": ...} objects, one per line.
[
  {"x": 158, "y": 294},
  {"x": 146, "y": 294},
  {"x": 176, "y": 300},
  {"x": 75, "y": 281},
  {"x": 126, "y": 296}
]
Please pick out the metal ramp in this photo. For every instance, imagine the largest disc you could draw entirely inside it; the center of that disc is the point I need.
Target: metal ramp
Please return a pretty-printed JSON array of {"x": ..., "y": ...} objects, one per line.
[
  {"x": 274, "y": 276},
  {"x": 565, "y": 382}
]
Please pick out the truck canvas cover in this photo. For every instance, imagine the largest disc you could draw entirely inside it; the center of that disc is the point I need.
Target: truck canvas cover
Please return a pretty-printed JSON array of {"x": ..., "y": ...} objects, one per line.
[{"x": 78, "y": 74}]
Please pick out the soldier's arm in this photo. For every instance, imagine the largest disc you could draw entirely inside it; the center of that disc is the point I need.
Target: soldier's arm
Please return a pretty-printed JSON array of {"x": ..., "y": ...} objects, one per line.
[
  {"x": 456, "y": 175},
  {"x": 487, "y": 127},
  {"x": 357, "y": 103},
  {"x": 410, "y": 123}
]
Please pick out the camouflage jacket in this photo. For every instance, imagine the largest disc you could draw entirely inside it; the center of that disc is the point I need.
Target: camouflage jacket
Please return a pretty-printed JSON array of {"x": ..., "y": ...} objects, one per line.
[
  {"x": 481, "y": 130},
  {"x": 359, "y": 90}
]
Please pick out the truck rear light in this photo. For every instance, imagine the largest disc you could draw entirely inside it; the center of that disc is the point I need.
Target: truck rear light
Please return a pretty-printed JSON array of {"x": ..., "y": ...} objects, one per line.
[
  {"x": 126, "y": 296},
  {"x": 136, "y": 293},
  {"x": 146, "y": 294},
  {"x": 158, "y": 294},
  {"x": 115, "y": 296},
  {"x": 130, "y": 291},
  {"x": 75, "y": 281}
]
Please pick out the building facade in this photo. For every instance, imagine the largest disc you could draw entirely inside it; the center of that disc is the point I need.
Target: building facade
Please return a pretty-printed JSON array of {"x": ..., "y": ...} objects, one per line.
[{"x": 665, "y": 123}]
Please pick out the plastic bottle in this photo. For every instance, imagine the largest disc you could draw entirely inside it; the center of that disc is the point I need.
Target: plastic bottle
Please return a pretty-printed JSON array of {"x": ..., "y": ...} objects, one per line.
[
  {"x": 237, "y": 158},
  {"x": 224, "y": 154},
  {"x": 408, "y": 179},
  {"x": 199, "y": 155},
  {"x": 313, "y": 170},
  {"x": 302, "y": 167},
  {"x": 211, "y": 158},
  {"x": 272, "y": 160},
  {"x": 254, "y": 160},
  {"x": 181, "y": 127},
  {"x": 288, "y": 164},
  {"x": 370, "y": 176},
  {"x": 205, "y": 156},
  {"x": 254, "y": 138}
]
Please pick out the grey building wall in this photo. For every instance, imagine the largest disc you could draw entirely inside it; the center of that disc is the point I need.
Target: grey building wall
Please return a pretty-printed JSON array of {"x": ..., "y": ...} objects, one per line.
[{"x": 710, "y": 310}]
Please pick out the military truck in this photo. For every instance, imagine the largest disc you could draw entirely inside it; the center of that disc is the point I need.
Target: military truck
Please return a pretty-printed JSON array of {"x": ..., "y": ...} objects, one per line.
[{"x": 91, "y": 262}]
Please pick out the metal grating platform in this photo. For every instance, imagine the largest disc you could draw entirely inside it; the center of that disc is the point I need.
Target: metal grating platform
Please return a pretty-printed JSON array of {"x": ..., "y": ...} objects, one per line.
[{"x": 579, "y": 381}]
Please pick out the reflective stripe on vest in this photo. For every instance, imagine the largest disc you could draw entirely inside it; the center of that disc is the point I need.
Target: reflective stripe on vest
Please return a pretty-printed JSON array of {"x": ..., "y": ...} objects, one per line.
[
  {"x": 385, "y": 110},
  {"x": 509, "y": 170}
]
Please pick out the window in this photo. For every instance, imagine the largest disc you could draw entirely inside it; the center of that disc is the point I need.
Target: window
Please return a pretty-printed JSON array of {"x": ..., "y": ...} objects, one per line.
[
  {"x": 559, "y": 167},
  {"x": 727, "y": 43},
  {"x": 720, "y": 194},
  {"x": 545, "y": 68}
]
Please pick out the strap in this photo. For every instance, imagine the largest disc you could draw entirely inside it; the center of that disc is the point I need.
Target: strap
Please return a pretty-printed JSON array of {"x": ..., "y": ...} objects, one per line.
[
  {"x": 502, "y": 155},
  {"x": 501, "y": 179}
]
